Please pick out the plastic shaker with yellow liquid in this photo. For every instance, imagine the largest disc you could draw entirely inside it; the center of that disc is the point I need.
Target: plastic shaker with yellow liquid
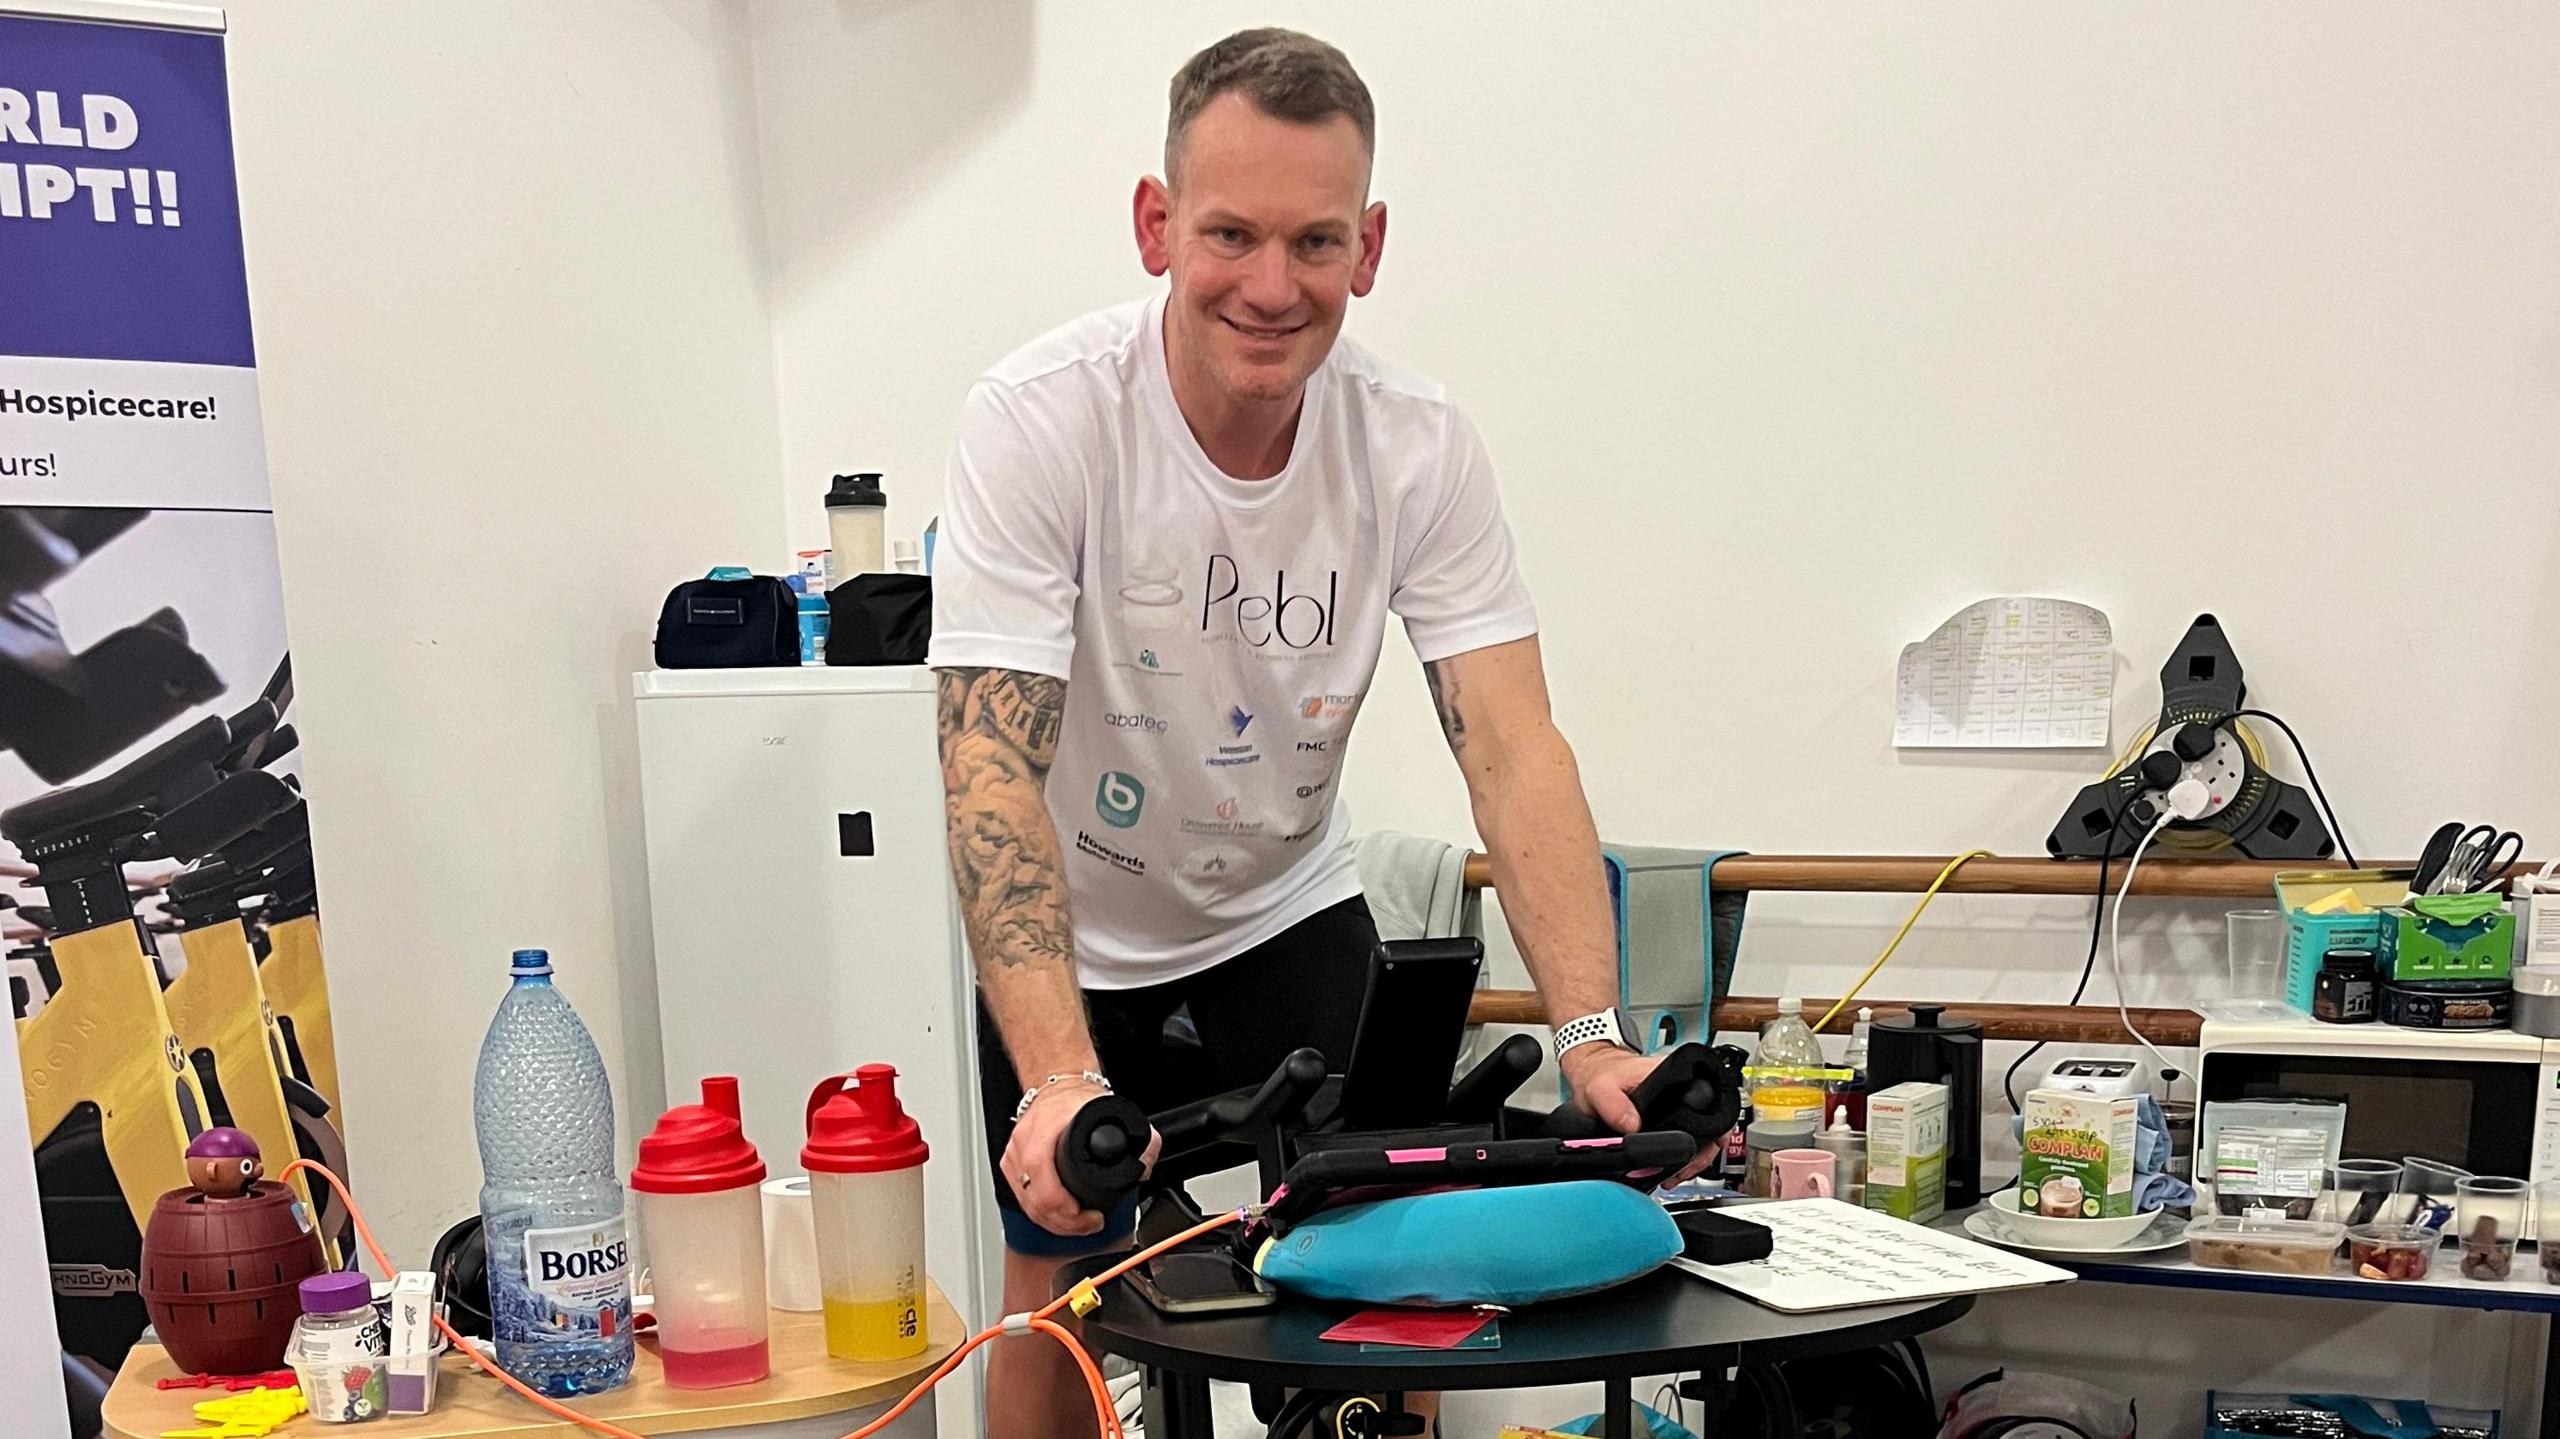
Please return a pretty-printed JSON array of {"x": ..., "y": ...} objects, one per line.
[{"x": 865, "y": 1158}]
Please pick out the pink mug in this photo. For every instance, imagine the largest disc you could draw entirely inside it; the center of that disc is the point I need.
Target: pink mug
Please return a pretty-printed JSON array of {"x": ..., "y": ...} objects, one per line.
[{"x": 1804, "y": 1173}]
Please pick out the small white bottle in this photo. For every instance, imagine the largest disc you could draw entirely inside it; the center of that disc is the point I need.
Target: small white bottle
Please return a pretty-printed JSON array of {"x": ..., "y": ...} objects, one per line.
[
  {"x": 858, "y": 525},
  {"x": 335, "y": 1348}
]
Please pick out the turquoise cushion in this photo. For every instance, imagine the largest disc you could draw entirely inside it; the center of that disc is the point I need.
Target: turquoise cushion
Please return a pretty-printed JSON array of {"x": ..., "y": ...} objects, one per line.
[{"x": 1475, "y": 1246}]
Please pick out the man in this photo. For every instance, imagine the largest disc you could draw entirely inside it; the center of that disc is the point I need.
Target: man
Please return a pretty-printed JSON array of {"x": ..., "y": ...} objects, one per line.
[{"x": 1173, "y": 534}]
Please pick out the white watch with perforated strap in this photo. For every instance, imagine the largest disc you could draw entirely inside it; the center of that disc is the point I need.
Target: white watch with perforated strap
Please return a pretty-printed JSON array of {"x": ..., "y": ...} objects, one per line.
[{"x": 1609, "y": 1026}]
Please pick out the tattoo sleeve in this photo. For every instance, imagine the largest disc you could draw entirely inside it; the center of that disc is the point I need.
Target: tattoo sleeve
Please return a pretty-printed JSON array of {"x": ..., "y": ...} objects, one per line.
[{"x": 999, "y": 732}]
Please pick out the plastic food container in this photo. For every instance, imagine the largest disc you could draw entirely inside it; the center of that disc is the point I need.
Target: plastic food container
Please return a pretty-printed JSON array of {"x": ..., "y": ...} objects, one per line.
[
  {"x": 2489, "y": 1216},
  {"x": 2537, "y": 1001},
  {"x": 2267, "y": 1246},
  {"x": 2367, "y": 1191},
  {"x": 2392, "y": 1251}
]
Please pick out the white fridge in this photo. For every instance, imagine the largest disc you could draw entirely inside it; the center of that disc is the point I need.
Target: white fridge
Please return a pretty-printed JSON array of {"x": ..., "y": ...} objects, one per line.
[{"x": 804, "y": 923}]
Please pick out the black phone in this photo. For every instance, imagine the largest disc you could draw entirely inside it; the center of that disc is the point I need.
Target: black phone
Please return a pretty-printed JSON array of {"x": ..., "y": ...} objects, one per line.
[
  {"x": 1413, "y": 1019},
  {"x": 1199, "y": 1281}
]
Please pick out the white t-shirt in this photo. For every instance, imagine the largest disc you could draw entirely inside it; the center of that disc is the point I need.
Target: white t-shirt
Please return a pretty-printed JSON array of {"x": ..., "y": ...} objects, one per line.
[{"x": 1216, "y": 635}]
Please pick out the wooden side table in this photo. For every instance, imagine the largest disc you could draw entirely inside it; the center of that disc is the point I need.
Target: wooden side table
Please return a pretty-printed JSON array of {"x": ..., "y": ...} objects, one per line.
[{"x": 808, "y": 1396}]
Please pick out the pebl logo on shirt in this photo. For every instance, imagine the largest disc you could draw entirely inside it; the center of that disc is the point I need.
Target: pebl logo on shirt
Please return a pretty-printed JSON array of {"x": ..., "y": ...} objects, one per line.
[
  {"x": 1298, "y": 619},
  {"x": 1119, "y": 799}
]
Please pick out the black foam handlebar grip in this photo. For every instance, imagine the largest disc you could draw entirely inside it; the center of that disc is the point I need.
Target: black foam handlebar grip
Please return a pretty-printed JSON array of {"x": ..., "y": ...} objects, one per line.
[
  {"x": 1099, "y": 1156},
  {"x": 1689, "y": 1091}
]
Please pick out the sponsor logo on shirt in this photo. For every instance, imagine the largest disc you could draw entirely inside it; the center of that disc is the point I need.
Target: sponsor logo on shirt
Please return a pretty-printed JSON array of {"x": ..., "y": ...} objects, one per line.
[
  {"x": 1128, "y": 863},
  {"x": 1229, "y": 756},
  {"x": 1119, "y": 799},
  {"x": 1294, "y": 619},
  {"x": 1148, "y": 662},
  {"x": 1315, "y": 746},
  {"x": 1226, "y": 825},
  {"x": 1216, "y": 866},
  {"x": 1322, "y": 707},
  {"x": 1310, "y": 791},
  {"x": 1239, "y": 720},
  {"x": 1151, "y": 598},
  {"x": 1143, "y": 723}
]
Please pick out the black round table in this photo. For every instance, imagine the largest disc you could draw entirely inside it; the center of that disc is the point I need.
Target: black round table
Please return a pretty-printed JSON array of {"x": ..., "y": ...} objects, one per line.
[{"x": 1668, "y": 1322}]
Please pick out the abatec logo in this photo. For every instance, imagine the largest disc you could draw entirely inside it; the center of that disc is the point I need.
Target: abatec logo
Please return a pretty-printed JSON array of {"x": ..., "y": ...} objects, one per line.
[
  {"x": 1142, "y": 723},
  {"x": 1119, "y": 798}
]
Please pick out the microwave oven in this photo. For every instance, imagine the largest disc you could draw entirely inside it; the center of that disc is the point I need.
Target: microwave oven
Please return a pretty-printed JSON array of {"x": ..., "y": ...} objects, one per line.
[{"x": 2483, "y": 1100}]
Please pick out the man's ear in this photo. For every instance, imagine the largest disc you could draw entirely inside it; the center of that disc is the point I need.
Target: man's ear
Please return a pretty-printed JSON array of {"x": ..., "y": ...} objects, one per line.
[
  {"x": 1373, "y": 247},
  {"x": 1151, "y": 214}
]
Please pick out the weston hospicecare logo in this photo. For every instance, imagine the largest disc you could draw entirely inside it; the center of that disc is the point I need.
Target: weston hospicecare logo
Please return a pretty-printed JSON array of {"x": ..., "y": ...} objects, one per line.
[
  {"x": 1119, "y": 799},
  {"x": 1239, "y": 720}
]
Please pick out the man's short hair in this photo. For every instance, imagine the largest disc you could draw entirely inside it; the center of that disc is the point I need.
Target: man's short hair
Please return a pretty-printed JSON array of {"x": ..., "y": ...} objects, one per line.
[{"x": 1286, "y": 75}]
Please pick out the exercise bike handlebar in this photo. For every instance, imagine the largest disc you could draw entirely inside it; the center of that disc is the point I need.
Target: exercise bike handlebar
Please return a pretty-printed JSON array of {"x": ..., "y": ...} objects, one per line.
[
  {"x": 135, "y": 785},
  {"x": 1693, "y": 1090}
]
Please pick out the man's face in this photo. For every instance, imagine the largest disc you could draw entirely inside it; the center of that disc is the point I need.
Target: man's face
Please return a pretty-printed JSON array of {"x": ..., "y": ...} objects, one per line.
[{"x": 1267, "y": 238}]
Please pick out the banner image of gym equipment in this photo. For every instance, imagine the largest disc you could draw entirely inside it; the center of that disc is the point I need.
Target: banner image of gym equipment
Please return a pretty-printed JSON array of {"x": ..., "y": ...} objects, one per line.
[{"x": 157, "y": 907}]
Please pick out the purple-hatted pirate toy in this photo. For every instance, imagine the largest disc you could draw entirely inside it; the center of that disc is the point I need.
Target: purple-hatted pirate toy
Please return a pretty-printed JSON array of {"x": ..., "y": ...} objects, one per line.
[{"x": 223, "y": 1162}]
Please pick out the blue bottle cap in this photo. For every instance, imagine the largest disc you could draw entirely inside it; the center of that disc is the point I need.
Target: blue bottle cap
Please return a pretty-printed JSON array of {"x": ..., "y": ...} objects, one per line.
[{"x": 530, "y": 961}]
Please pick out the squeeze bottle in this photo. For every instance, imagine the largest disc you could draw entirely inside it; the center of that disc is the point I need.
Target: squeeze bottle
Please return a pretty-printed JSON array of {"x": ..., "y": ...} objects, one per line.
[
  {"x": 697, "y": 1192},
  {"x": 865, "y": 1158},
  {"x": 858, "y": 525}
]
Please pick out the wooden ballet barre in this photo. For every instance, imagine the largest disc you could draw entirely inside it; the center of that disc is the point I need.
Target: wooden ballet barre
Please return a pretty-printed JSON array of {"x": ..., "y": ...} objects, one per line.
[
  {"x": 2035, "y": 1023},
  {"x": 1907, "y": 874}
]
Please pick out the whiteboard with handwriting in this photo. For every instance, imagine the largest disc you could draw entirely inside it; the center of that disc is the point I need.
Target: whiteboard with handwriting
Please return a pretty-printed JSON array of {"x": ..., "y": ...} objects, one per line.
[{"x": 1830, "y": 1255}]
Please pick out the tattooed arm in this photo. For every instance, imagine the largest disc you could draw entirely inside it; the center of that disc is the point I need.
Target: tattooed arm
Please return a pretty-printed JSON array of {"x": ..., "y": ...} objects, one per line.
[
  {"x": 999, "y": 734},
  {"x": 1529, "y": 806}
]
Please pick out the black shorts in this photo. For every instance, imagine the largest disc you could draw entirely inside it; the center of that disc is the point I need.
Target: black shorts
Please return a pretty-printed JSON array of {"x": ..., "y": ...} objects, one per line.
[{"x": 1301, "y": 987}]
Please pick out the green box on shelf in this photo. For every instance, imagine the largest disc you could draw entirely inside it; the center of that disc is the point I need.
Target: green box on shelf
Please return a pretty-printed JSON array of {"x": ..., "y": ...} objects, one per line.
[{"x": 2449, "y": 936}]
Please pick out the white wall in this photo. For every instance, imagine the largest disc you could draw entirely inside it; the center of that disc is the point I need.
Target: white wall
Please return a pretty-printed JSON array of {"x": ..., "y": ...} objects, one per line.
[
  {"x": 505, "y": 266},
  {"x": 30, "y": 1345},
  {"x": 1794, "y": 331}
]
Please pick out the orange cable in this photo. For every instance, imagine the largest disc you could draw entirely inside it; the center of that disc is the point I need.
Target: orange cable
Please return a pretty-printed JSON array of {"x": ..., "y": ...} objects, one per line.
[{"x": 1106, "y": 1413}]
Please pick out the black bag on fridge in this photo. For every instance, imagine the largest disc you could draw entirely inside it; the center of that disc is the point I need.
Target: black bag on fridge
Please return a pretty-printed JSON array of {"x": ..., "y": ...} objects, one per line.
[
  {"x": 880, "y": 620},
  {"x": 728, "y": 624}
]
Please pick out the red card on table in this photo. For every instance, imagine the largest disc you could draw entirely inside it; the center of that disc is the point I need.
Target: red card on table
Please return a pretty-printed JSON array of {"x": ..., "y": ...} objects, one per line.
[{"x": 1410, "y": 1328}]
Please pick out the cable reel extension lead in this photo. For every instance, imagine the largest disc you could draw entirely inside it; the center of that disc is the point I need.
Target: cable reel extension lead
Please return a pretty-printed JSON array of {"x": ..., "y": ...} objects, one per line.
[{"x": 1083, "y": 1299}]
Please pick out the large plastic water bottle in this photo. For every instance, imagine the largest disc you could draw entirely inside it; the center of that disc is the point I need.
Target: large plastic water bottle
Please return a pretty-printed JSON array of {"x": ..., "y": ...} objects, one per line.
[{"x": 550, "y": 1200}]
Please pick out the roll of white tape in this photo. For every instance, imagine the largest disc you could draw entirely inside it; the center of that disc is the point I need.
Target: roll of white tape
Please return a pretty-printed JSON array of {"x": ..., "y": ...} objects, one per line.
[{"x": 790, "y": 1246}]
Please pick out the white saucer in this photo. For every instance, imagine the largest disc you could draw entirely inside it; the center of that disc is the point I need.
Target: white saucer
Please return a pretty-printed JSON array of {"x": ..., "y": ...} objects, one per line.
[{"x": 2166, "y": 1232}]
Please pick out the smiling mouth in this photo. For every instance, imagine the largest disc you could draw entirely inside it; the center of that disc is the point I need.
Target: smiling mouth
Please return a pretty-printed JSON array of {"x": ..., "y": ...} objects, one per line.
[{"x": 1264, "y": 334}]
